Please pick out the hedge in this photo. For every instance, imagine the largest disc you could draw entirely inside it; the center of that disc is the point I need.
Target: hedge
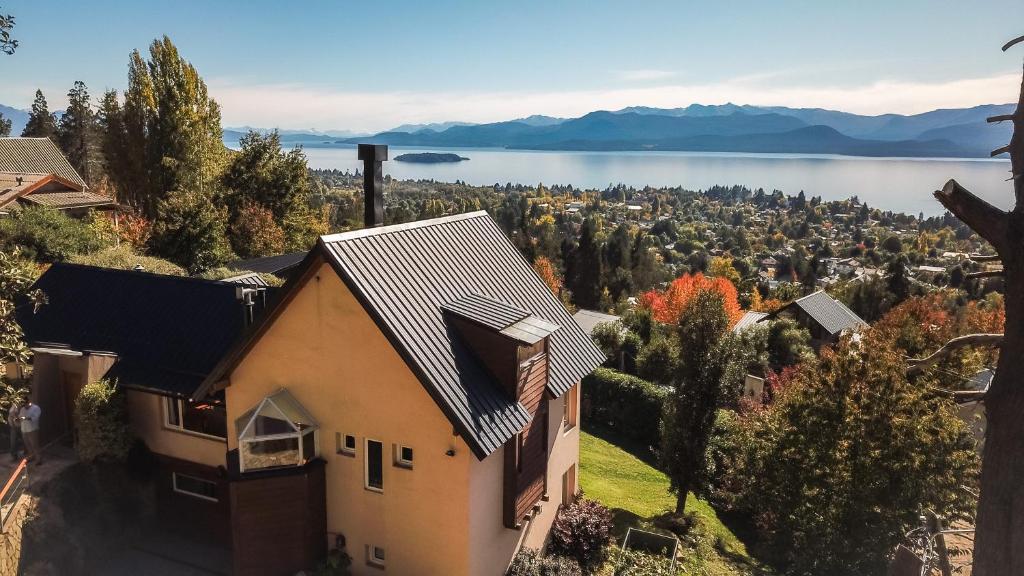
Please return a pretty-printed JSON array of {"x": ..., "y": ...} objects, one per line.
[{"x": 629, "y": 405}]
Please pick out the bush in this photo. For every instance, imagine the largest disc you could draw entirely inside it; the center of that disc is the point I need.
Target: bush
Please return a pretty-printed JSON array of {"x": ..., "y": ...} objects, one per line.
[
  {"x": 636, "y": 563},
  {"x": 625, "y": 403},
  {"x": 48, "y": 235},
  {"x": 191, "y": 231},
  {"x": 124, "y": 258},
  {"x": 102, "y": 424},
  {"x": 528, "y": 562},
  {"x": 581, "y": 530}
]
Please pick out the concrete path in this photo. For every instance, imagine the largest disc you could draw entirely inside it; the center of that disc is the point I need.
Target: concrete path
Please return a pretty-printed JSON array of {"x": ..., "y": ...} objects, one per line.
[{"x": 163, "y": 554}]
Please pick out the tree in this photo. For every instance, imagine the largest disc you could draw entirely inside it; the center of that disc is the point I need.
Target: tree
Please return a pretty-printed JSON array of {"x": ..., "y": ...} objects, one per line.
[
  {"x": 16, "y": 276},
  {"x": 41, "y": 122},
  {"x": 102, "y": 423},
  {"x": 5, "y": 126},
  {"x": 7, "y": 43},
  {"x": 667, "y": 307},
  {"x": 263, "y": 173},
  {"x": 78, "y": 135},
  {"x": 853, "y": 451},
  {"x": 254, "y": 232},
  {"x": 721, "y": 267},
  {"x": 711, "y": 361},
  {"x": 191, "y": 232},
  {"x": 549, "y": 274},
  {"x": 588, "y": 266}
]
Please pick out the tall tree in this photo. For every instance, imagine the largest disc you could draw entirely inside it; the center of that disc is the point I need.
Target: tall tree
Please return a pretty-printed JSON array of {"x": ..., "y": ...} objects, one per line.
[
  {"x": 588, "y": 266},
  {"x": 711, "y": 362},
  {"x": 41, "y": 122},
  {"x": 1000, "y": 520},
  {"x": 78, "y": 135}
]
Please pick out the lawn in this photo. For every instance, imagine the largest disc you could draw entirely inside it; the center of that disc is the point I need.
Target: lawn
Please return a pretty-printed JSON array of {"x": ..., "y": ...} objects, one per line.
[{"x": 636, "y": 492}]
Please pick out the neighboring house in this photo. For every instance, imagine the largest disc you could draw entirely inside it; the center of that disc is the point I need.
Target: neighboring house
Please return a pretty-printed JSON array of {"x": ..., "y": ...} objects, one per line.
[
  {"x": 33, "y": 171},
  {"x": 281, "y": 265},
  {"x": 157, "y": 337},
  {"x": 748, "y": 319},
  {"x": 824, "y": 317},
  {"x": 412, "y": 395},
  {"x": 589, "y": 319}
]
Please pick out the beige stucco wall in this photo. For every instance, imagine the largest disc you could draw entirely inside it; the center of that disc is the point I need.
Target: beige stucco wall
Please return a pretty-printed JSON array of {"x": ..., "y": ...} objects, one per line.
[
  {"x": 146, "y": 415},
  {"x": 327, "y": 351},
  {"x": 492, "y": 545}
]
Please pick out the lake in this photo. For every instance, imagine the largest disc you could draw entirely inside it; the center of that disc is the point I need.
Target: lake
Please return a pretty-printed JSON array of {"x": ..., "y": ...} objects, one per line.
[{"x": 897, "y": 184}]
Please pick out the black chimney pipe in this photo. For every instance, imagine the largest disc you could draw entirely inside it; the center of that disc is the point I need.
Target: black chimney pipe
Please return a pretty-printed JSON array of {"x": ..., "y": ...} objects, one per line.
[{"x": 373, "y": 157}]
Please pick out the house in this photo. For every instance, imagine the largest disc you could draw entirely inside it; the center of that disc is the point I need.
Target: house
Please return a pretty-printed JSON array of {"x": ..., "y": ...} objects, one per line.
[
  {"x": 411, "y": 395},
  {"x": 280, "y": 265},
  {"x": 33, "y": 171},
  {"x": 824, "y": 317},
  {"x": 748, "y": 319}
]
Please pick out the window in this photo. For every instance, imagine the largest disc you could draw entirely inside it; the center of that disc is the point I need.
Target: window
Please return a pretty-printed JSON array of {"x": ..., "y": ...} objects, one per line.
[
  {"x": 201, "y": 418},
  {"x": 375, "y": 556},
  {"x": 569, "y": 485},
  {"x": 374, "y": 465},
  {"x": 403, "y": 456},
  {"x": 196, "y": 487},
  {"x": 345, "y": 444},
  {"x": 277, "y": 432},
  {"x": 570, "y": 407}
]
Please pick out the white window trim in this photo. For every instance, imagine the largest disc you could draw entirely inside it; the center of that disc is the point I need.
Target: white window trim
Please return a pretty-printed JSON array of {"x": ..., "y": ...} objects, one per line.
[
  {"x": 339, "y": 444},
  {"x": 371, "y": 557},
  {"x": 174, "y": 483},
  {"x": 366, "y": 465},
  {"x": 401, "y": 462},
  {"x": 180, "y": 428}
]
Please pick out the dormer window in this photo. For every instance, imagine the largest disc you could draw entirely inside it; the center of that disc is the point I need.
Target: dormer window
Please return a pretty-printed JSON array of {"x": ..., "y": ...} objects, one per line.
[{"x": 278, "y": 432}]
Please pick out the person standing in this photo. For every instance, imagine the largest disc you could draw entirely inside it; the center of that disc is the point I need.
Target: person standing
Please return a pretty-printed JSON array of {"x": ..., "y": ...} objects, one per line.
[
  {"x": 29, "y": 416},
  {"x": 14, "y": 424}
]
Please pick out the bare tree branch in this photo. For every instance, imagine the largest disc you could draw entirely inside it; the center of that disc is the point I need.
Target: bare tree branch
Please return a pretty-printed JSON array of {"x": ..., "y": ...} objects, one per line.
[
  {"x": 1012, "y": 42},
  {"x": 916, "y": 365},
  {"x": 1000, "y": 118},
  {"x": 985, "y": 219}
]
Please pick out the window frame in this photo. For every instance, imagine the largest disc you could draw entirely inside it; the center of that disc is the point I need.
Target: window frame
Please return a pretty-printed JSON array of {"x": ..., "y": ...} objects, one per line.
[
  {"x": 571, "y": 409},
  {"x": 371, "y": 556},
  {"x": 180, "y": 426},
  {"x": 175, "y": 488},
  {"x": 399, "y": 459},
  {"x": 366, "y": 465},
  {"x": 341, "y": 444}
]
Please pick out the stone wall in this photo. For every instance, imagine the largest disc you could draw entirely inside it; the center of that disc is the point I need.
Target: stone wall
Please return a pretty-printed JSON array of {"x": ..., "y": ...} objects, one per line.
[{"x": 10, "y": 540}]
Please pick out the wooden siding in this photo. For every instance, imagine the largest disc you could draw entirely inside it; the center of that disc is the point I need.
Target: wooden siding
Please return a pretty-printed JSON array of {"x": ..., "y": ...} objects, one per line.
[
  {"x": 279, "y": 521},
  {"x": 495, "y": 351},
  {"x": 526, "y": 466},
  {"x": 532, "y": 380},
  {"x": 190, "y": 515}
]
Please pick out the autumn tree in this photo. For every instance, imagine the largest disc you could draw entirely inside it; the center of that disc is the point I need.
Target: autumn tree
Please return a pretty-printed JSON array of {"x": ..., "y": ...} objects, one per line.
[
  {"x": 667, "y": 306},
  {"x": 549, "y": 274},
  {"x": 41, "y": 122},
  {"x": 711, "y": 361}
]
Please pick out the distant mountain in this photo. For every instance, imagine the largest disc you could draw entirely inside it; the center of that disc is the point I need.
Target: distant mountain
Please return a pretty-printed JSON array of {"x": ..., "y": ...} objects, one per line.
[
  {"x": 540, "y": 120},
  {"x": 434, "y": 127},
  {"x": 17, "y": 117},
  {"x": 233, "y": 134}
]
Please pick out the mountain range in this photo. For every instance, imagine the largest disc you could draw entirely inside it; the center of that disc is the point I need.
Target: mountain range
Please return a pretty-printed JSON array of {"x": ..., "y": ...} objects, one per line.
[{"x": 960, "y": 132}]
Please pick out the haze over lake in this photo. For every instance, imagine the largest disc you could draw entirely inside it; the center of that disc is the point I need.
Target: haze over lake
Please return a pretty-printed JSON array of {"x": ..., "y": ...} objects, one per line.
[{"x": 898, "y": 184}]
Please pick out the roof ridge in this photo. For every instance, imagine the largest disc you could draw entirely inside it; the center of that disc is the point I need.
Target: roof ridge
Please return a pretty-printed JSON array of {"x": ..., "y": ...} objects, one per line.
[
  {"x": 391, "y": 228},
  {"x": 148, "y": 273}
]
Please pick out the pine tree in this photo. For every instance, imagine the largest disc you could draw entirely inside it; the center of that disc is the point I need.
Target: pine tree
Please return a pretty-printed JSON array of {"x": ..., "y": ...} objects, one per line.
[
  {"x": 5, "y": 126},
  {"x": 41, "y": 123},
  {"x": 78, "y": 135}
]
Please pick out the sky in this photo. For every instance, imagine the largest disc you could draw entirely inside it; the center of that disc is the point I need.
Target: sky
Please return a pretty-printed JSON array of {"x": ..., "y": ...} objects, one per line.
[{"x": 369, "y": 66}]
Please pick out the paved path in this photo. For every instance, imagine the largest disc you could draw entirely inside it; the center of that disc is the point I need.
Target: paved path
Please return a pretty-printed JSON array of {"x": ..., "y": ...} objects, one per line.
[{"x": 163, "y": 554}]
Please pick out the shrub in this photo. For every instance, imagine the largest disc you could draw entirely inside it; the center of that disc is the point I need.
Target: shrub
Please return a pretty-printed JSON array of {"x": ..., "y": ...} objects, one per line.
[
  {"x": 48, "y": 235},
  {"x": 191, "y": 231},
  {"x": 528, "y": 562},
  {"x": 102, "y": 424},
  {"x": 625, "y": 403},
  {"x": 124, "y": 258},
  {"x": 337, "y": 563},
  {"x": 254, "y": 232},
  {"x": 637, "y": 563},
  {"x": 581, "y": 530},
  {"x": 657, "y": 361}
]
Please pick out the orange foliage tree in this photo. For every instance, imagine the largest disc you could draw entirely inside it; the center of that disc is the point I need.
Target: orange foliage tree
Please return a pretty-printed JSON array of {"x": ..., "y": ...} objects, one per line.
[
  {"x": 667, "y": 306},
  {"x": 547, "y": 272}
]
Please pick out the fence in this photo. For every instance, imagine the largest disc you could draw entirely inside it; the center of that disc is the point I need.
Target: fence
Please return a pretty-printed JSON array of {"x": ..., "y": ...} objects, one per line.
[{"x": 13, "y": 490}]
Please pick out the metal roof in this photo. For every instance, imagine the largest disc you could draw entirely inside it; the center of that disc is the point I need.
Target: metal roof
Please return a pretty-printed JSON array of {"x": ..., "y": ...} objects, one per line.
[
  {"x": 36, "y": 155},
  {"x": 405, "y": 275},
  {"x": 168, "y": 332},
  {"x": 830, "y": 313},
  {"x": 748, "y": 319},
  {"x": 68, "y": 199},
  {"x": 247, "y": 279},
  {"x": 589, "y": 319},
  {"x": 277, "y": 265},
  {"x": 486, "y": 311}
]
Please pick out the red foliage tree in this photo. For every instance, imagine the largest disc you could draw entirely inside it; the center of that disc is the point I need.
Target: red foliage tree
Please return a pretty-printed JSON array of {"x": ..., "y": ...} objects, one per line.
[{"x": 666, "y": 307}]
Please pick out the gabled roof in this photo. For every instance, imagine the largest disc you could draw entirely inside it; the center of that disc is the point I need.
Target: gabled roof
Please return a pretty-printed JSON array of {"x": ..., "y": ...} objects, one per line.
[
  {"x": 748, "y": 319},
  {"x": 405, "y": 275},
  {"x": 589, "y": 319},
  {"x": 36, "y": 155},
  {"x": 168, "y": 332},
  {"x": 830, "y": 313},
  {"x": 66, "y": 199},
  {"x": 15, "y": 185},
  {"x": 507, "y": 320}
]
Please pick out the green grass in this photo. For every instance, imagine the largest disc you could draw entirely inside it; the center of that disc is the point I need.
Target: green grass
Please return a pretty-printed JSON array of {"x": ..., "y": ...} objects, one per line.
[{"x": 636, "y": 493}]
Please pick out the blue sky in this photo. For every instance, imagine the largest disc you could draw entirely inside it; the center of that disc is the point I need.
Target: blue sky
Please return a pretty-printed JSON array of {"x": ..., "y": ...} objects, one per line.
[{"x": 372, "y": 65}]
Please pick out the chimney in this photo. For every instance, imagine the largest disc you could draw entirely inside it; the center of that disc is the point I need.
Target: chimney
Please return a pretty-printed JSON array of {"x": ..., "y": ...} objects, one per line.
[{"x": 373, "y": 157}]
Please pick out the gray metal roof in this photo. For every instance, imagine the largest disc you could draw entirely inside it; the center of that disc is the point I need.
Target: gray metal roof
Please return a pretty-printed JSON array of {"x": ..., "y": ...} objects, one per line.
[
  {"x": 506, "y": 319},
  {"x": 830, "y": 313},
  {"x": 405, "y": 274},
  {"x": 38, "y": 155},
  {"x": 589, "y": 319},
  {"x": 748, "y": 319}
]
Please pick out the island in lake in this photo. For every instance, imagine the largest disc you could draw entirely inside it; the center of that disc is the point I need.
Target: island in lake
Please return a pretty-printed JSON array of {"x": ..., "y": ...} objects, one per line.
[{"x": 429, "y": 158}]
